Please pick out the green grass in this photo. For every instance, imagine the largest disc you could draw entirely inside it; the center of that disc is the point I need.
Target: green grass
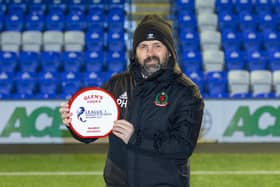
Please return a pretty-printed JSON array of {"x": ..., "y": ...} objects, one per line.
[
  {"x": 235, "y": 162},
  {"x": 95, "y": 162}
]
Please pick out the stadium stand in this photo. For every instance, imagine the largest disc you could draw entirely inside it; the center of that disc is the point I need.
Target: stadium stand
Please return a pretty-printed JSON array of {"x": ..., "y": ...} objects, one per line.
[
  {"x": 31, "y": 40},
  {"x": 51, "y": 61},
  {"x": 261, "y": 83},
  {"x": 10, "y": 40},
  {"x": 6, "y": 84},
  {"x": 25, "y": 84},
  {"x": 276, "y": 82},
  {"x": 213, "y": 60},
  {"x": 48, "y": 85},
  {"x": 54, "y": 47},
  {"x": 70, "y": 83},
  {"x": 191, "y": 61},
  {"x": 216, "y": 84},
  {"x": 52, "y": 41},
  {"x": 239, "y": 38},
  {"x": 29, "y": 61},
  {"x": 8, "y": 61},
  {"x": 239, "y": 83},
  {"x": 94, "y": 61}
]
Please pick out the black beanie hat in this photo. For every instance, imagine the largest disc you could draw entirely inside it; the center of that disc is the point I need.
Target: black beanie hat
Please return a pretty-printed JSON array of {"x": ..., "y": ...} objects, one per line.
[{"x": 153, "y": 27}]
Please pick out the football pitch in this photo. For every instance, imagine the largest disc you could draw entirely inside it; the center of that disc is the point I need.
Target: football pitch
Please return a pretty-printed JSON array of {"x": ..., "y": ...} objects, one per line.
[{"x": 65, "y": 170}]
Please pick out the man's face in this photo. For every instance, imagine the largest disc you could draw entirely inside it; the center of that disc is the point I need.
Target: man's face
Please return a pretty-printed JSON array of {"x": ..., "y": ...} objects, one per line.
[{"x": 152, "y": 55}]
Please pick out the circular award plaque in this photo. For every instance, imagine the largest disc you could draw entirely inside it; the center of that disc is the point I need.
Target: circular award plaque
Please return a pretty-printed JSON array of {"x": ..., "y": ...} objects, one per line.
[{"x": 94, "y": 112}]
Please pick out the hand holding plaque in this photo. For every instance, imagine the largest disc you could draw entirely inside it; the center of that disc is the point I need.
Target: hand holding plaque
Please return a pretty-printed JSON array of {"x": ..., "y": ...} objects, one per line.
[{"x": 94, "y": 112}]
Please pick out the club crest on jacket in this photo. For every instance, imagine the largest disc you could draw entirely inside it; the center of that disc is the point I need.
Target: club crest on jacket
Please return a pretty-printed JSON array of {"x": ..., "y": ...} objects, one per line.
[{"x": 161, "y": 99}]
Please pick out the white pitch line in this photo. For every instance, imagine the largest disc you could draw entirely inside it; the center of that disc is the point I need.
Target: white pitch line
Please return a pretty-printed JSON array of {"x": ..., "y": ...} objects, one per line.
[
  {"x": 248, "y": 172},
  {"x": 35, "y": 173},
  {"x": 99, "y": 173}
]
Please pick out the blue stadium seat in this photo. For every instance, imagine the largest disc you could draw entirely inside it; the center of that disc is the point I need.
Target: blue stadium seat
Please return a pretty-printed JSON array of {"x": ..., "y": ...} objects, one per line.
[
  {"x": 116, "y": 17},
  {"x": 37, "y": 6},
  {"x": 274, "y": 59},
  {"x": 231, "y": 40},
  {"x": 241, "y": 96},
  {"x": 271, "y": 40},
  {"x": 244, "y": 5},
  {"x": 116, "y": 3},
  {"x": 6, "y": 84},
  {"x": 47, "y": 85},
  {"x": 115, "y": 41},
  {"x": 98, "y": 3},
  {"x": 51, "y": 61},
  {"x": 234, "y": 59},
  {"x": 8, "y": 61},
  {"x": 216, "y": 83},
  {"x": 16, "y": 5},
  {"x": 95, "y": 39},
  {"x": 55, "y": 20},
  {"x": 224, "y": 5},
  {"x": 247, "y": 22},
  {"x": 72, "y": 61},
  {"x": 264, "y": 95},
  {"x": 25, "y": 85},
  {"x": 115, "y": 35},
  {"x": 266, "y": 21},
  {"x": 263, "y": 5},
  {"x": 94, "y": 60},
  {"x": 74, "y": 5},
  {"x": 227, "y": 21},
  {"x": 93, "y": 79},
  {"x": 189, "y": 40},
  {"x": 116, "y": 61},
  {"x": 96, "y": 18},
  {"x": 256, "y": 60},
  {"x": 75, "y": 20},
  {"x": 14, "y": 20},
  {"x": 276, "y": 5},
  {"x": 191, "y": 61},
  {"x": 252, "y": 40},
  {"x": 29, "y": 61},
  {"x": 70, "y": 83},
  {"x": 3, "y": 7},
  {"x": 2, "y": 16},
  {"x": 185, "y": 5},
  {"x": 187, "y": 21},
  {"x": 198, "y": 79},
  {"x": 34, "y": 21},
  {"x": 107, "y": 75},
  {"x": 57, "y": 4}
]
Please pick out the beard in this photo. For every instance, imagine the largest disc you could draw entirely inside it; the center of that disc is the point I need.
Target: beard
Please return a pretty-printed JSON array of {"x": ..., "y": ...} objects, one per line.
[{"x": 149, "y": 68}]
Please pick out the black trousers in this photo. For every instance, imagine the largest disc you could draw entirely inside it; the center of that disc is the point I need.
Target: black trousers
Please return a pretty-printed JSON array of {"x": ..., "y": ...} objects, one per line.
[{"x": 115, "y": 177}]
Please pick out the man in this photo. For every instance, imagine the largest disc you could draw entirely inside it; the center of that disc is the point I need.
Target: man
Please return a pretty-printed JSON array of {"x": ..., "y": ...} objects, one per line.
[{"x": 161, "y": 114}]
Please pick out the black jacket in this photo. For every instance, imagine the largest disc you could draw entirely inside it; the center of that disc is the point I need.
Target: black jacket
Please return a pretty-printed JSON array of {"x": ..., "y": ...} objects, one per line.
[{"x": 166, "y": 110}]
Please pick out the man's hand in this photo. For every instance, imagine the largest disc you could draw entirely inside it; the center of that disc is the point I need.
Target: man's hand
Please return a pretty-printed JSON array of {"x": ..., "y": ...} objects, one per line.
[
  {"x": 123, "y": 129},
  {"x": 65, "y": 114}
]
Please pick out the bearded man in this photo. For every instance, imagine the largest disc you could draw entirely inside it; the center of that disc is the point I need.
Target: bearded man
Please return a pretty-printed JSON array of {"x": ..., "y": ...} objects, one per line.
[{"x": 159, "y": 126}]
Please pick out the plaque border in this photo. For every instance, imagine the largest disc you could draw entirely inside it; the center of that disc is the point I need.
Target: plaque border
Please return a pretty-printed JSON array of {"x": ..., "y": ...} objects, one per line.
[{"x": 79, "y": 92}]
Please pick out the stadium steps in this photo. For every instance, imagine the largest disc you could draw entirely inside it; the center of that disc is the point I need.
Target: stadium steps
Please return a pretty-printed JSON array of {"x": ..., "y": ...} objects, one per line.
[{"x": 140, "y": 8}]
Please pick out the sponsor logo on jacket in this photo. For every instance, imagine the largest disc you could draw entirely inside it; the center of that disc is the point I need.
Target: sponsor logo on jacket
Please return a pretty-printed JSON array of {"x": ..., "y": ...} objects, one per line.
[{"x": 122, "y": 100}]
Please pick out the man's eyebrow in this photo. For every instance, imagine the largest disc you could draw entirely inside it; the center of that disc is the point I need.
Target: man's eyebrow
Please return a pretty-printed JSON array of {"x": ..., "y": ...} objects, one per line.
[
  {"x": 157, "y": 43},
  {"x": 142, "y": 44}
]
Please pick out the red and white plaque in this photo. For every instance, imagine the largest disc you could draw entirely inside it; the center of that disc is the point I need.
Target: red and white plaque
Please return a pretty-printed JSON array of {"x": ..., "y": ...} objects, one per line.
[{"x": 94, "y": 112}]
